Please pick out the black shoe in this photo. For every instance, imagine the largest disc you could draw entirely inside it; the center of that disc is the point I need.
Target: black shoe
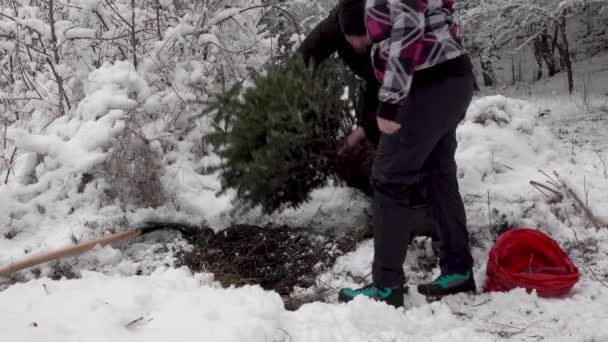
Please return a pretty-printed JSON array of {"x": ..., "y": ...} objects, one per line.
[
  {"x": 448, "y": 284},
  {"x": 391, "y": 296}
]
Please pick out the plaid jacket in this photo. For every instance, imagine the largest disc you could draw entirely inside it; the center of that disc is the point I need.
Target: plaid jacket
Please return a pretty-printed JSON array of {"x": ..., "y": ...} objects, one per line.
[{"x": 409, "y": 35}]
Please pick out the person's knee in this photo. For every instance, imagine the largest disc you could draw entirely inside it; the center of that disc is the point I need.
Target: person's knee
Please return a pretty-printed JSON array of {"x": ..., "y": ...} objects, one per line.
[
  {"x": 401, "y": 192},
  {"x": 446, "y": 170}
]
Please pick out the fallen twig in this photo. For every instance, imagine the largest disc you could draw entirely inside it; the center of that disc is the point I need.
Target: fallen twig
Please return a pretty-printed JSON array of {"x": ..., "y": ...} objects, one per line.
[
  {"x": 594, "y": 220},
  {"x": 482, "y": 303},
  {"x": 509, "y": 334},
  {"x": 356, "y": 278},
  {"x": 603, "y": 163},
  {"x": 132, "y": 323},
  {"x": 557, "y": 195},
  {"x": 551, "y": 180},
  {"x": 325, "y": 284},
  {"x": 286, "y": 333},
  {"x": 489, "y": 213},
  {"x": 585, "y": 258}
]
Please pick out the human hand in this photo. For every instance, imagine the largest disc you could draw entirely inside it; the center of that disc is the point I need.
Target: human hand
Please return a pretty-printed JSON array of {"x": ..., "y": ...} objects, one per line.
[
  {"x": 352, "y": 140},
  {"x": 388, "y": 126}
]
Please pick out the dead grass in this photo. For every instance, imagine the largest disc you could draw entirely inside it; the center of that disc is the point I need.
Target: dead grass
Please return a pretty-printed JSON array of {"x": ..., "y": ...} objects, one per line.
[{"x": 133, "y": 171}]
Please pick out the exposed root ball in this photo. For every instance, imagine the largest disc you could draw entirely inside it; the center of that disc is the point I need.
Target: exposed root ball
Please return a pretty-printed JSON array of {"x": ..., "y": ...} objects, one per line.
[{"x": 275, "y": 258}]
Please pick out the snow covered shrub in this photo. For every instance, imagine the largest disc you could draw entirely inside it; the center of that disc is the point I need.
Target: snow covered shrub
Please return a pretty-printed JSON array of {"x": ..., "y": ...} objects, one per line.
[
  {"x": 278, "y": 138},
  {"x": 133, "y": 171}
]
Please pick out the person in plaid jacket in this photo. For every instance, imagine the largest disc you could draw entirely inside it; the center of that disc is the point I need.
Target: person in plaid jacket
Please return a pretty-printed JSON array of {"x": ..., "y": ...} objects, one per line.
[{"x": 427, "y": 84}]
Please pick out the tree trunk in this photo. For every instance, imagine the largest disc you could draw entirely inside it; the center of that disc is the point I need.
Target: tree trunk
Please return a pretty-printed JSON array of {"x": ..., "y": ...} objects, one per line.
[
  {"x": 158, "y": 28},
  {"x": 11, "y": 69},
  {"x": 554, "y": 45},
  {"x": 566, "y": 57},
  {"x": 56, "y": 60},
  {"x": 551, "y": 65},
  {"x": 489, "y": 77},
  {"x": 565, "y": 52},
  {"x": 544, "y": 52},
  {"x": 53, "y": 35},
  {"x": 513, "y": 78},
  {"x": 133, "y": 38},
  {"x": 537, "y": 49}
]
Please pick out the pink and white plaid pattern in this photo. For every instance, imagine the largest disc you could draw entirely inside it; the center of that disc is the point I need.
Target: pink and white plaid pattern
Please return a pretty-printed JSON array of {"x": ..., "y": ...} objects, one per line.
[{"x": 409, "y": 35}]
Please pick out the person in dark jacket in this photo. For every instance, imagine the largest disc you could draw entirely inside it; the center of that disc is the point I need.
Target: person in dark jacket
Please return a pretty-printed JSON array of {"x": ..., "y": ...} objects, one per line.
[
  {"x": 344, "y": 32},
  {"x": 427, "y": 84}
]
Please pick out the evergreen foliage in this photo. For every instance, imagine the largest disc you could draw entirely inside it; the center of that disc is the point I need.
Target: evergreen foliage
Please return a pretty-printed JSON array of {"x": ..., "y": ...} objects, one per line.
[{"x": 278, "y": 139}]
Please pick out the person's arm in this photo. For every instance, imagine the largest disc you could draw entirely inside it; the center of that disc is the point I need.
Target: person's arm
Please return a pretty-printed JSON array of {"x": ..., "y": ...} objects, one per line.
[
  {"x": 366, "y": 111},
  {"x": 402, "y": 23},
  {"x": 320, "y": 43},
  {"x": 367, "y": 125}
]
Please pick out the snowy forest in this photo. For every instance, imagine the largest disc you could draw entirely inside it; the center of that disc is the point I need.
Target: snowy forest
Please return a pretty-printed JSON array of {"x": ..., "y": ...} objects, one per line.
[{"x": 114, "y": 166}]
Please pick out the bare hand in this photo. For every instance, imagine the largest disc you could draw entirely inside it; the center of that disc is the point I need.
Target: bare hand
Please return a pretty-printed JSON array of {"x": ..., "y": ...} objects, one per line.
[
  {"x": 353, "y": 140},
  {"x": 388, "y": 126}
]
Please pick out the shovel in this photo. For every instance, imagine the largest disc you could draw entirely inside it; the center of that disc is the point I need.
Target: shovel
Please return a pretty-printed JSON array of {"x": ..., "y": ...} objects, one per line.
[{"x": 88, "y": 245}]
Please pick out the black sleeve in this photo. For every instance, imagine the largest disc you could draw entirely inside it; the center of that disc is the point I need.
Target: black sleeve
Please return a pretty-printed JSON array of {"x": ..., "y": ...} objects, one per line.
[
  {"x": 321, "y": 41},
  {"x": 367, "y": 106}
]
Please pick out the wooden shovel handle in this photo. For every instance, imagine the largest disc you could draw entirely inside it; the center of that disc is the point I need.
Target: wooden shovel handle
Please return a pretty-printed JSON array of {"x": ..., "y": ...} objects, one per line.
[{"x": 68, "y": 251}]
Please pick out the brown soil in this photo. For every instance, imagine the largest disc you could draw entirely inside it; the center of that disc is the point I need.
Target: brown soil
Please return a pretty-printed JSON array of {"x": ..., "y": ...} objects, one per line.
[
  {"x": 276, "y": 258},
  {"x": 354, "y": 167}
]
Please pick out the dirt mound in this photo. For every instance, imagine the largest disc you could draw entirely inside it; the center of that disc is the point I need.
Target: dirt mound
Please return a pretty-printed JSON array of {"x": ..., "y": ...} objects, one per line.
[{"x": 276, "y": 258}]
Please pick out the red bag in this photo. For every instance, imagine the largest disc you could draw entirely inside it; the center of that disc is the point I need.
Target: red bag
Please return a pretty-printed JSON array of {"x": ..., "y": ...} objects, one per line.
[{"x": 530, "y": 259}]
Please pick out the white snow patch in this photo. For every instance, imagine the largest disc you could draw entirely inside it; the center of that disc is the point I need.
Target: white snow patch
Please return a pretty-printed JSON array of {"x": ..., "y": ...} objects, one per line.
[
  {"x": 173, "y": 304},
  {"x": 79, "y": 33}
]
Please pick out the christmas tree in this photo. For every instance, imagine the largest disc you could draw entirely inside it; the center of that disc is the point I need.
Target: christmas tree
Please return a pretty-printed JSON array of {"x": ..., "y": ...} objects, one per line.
[{"x": 278, "y": 139}]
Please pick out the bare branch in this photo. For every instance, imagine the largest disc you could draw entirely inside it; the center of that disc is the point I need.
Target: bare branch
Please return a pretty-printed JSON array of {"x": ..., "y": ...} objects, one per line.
[
  {"x": 8, "y": 171},
  {"x": 594, "y": 220}
]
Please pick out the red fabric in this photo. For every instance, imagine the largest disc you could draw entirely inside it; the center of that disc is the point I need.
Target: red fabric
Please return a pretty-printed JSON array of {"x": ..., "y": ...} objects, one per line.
[{"x": 530, "y": 259}]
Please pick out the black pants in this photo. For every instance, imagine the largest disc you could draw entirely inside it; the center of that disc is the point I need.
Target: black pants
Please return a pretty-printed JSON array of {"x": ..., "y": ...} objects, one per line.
[{"x": 422, "y": 151}]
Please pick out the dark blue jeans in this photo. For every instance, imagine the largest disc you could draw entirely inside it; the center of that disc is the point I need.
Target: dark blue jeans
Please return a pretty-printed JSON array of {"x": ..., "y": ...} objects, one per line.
[{"x": 421, "y": 152}]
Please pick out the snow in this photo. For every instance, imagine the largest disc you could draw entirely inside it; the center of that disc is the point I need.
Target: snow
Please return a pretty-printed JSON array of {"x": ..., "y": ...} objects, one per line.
[
  {"x": 504, "y": 141},
  {"x": 36, "y": 25},
  {"x": 208, "y": 38},
  {"x": 71, "y": 153},
  {"x": 8, "y": 26},
  {"x": 79, "y": 33},
  {"x": 502, "y": 144},
  {"x": 119, "y": 76},
  {"x": 87, "y": 4},
  {"x": 173, "y": 304},
  {"x": 6, "y": 46},
  {"x": 224, "y": 14},
  {"x": 24, "y": 166}
]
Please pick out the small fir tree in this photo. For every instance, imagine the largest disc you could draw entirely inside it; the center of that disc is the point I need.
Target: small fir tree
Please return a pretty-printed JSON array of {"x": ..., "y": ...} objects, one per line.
[{"x": 278, "y": 139}]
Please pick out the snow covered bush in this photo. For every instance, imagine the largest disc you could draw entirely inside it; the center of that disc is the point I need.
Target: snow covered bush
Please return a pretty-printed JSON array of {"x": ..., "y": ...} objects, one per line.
[
  {"x": 128, "y": 129},
  {"x": 66, "y": 65},
  {"x": 489, "y": 26}
]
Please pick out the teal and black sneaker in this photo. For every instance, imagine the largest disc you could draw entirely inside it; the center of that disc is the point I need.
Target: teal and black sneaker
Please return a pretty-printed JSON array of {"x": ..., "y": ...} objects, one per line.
[
  {"x": 448, "y": 284},
  {"x": 391, "y": 296}
]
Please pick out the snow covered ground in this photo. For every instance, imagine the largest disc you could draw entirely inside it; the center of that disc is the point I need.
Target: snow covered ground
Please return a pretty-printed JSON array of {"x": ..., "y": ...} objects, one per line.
[
  {"x": 174, "y": 305},
  {"x": 502, "y": 145},
  {"x": 133, "y": 292}
]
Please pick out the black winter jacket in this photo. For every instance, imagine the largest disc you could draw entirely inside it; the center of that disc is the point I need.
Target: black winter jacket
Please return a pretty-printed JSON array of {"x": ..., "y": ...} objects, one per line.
[{"x": 327, "y": 38}]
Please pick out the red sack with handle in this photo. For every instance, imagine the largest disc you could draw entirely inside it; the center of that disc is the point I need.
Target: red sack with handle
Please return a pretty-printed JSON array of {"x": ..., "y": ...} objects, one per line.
[{"x": 530, "y": 259}]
